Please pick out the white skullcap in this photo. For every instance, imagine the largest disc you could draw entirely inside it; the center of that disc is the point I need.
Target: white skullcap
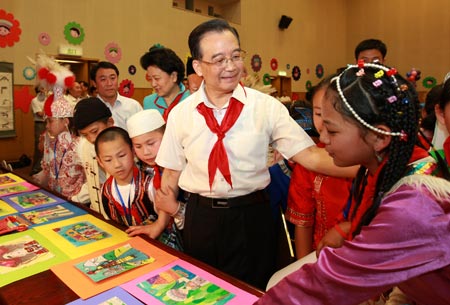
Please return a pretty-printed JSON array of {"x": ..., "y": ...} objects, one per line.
[{"x": 144, "y": 121}]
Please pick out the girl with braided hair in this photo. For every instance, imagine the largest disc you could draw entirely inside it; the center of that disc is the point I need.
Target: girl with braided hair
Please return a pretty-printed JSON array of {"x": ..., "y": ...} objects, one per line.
[{"x": 395, "y": 230}]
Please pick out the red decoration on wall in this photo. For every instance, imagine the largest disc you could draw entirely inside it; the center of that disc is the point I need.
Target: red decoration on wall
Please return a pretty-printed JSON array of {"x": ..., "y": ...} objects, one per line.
[
  {"x": 22, "y": 99},
  {"x": 9, "y": 29},
  {"x": 274, "y": 64},
  {"x": 126, "y": 88}
]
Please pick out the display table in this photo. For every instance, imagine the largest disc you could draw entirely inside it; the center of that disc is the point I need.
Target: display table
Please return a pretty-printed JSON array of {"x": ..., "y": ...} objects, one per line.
[{"x": 47, "y": 288}]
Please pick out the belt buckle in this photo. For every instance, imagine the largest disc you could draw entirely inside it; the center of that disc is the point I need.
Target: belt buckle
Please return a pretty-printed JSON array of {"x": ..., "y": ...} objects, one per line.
[{"x": 219, "y": 204}]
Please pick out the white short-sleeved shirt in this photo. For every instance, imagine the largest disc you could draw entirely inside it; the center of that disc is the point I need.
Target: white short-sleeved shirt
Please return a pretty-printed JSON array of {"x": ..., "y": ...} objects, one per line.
[
  {"x": 123, "y": 108},
  {"x": 187, "y": 143},
  {"x": 37, "y": 106}
]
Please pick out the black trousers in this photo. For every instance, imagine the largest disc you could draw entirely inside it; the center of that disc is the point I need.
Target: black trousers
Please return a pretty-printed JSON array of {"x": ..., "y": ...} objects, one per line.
[{"x": 239, "y": 240}]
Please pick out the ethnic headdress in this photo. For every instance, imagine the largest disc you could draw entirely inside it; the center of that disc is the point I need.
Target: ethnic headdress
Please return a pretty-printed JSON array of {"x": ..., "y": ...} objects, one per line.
[
  {"x": 377, "y": 83},
  {"x": 56, "y": 78}
]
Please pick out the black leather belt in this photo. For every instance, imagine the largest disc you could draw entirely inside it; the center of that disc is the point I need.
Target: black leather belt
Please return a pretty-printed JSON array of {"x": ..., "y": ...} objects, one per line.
[{"x": 225, "y": 203}]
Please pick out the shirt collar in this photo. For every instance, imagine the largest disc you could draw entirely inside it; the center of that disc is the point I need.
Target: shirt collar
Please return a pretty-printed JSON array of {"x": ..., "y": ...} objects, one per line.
[{"x": 239, "y": 93}]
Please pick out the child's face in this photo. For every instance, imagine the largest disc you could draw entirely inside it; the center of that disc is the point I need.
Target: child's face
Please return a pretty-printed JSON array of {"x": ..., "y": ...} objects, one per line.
[
  {"x": 117, "y": 158},
  {"x": 91, "y": 131},
  {"x": 317, "y": 109},
  {"x": 55, "y": 126},
  {"x": 443, "y": 115},
  {"x": 146, "y": 146},
  {"x": 345, "y": 141}
]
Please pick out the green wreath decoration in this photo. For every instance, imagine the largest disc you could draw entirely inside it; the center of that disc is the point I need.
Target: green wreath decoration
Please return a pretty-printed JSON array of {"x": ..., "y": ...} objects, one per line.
[
  {"x": 29, "y": 73},
  {"x": 266, "y": 79},
  {"x": 429, "y": 82},
  {"x": 308, "y": 85},
  {"x": 74, "y": 33}
]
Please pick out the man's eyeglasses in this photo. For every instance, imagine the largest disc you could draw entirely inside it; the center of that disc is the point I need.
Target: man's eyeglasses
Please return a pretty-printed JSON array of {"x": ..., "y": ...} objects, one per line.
[{"x": 222, "y": 61}]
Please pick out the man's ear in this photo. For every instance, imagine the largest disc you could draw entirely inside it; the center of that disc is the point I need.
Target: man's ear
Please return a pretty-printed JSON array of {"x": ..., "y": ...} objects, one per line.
[
  {"x": 381, "y": 140},
  {"x": 197, "y": 67}
]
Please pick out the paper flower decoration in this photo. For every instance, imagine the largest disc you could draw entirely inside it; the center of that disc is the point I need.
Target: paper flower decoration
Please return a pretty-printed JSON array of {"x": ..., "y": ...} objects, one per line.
[
  {"x": 274, "y": 64},
  {"x": 266, "y": 79},
  {"x": 126, "y": 88},
  {"x": 256, "y": 63},
  {"x": 413, "y": 75},
  {"x": 296, "y": 73},
  {"x": 429, "y": 82},
  {"x": 308, "y": 85},
  {"x": 44, "y": 39},
  {"x": 9, "y": 29},
  {"x": 22, "y": 99},
  {"x": 132, "y": 69},
  {"x": 74, "y": 33},
  {"x": 29, "y": 73},
  {"x": 288, "y": 66},
  {"x": 319, "y": 71},
  {"x": 113, "y": 53}
]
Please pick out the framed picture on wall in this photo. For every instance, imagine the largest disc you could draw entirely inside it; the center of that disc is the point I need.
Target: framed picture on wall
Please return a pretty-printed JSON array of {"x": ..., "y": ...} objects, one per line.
[{"x": 7, "y": 100}]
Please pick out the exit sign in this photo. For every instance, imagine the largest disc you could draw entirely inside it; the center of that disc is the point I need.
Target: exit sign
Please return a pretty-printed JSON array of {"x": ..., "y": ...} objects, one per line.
[{"x": 70, "y": 50}]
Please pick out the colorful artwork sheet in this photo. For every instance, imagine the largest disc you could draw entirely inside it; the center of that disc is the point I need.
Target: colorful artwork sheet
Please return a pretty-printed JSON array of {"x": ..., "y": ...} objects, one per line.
[
  {"x": 183, "y": 283},
  {"x": 21, "y": 187},
  {"x": 11, "y": 223},
  {"x": 32, "y": 200},
  {"x": 82, "y": 235},
  {"x": 9, "y": 178},
  {"x": 52, "y": 214},
  {"x": 24, "y": 254},
  {"x": 86, "y": 288},
  {"x": 115, "y": 296},
  {"x": 114, "y": 262},
  {"x": 6, "y": 209}
]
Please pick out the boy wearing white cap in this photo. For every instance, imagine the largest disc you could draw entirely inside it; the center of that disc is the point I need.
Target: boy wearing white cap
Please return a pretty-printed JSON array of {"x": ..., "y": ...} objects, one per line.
[{"x": 146, "y": 129}]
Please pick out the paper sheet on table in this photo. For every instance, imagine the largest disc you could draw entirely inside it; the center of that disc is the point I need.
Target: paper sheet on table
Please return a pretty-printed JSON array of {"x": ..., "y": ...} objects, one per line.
[
  {"x": 159, "y": 281},
  {"x": 86, "y": 288},
  {"x": 82, "y": 235},
  {"x": 26, "y": 265}
]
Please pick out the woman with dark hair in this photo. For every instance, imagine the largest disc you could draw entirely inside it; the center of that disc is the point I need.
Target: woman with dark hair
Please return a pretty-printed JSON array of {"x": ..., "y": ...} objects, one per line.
[{"x": 165, "y": 71}]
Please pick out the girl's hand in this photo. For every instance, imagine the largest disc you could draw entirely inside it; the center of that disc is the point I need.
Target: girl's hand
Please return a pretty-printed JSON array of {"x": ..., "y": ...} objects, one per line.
[{"x": 334, "y": 238}]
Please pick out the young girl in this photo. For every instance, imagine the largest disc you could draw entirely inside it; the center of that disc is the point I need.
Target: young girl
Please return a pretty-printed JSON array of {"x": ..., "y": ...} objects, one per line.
[
  {"x": 62, "y": 170},
  {"x": 124, "y": 194},
  {"x": 399, "y": 219},
  {"x": 443, "y": 116},
  {"x": 314, "y": 200}
]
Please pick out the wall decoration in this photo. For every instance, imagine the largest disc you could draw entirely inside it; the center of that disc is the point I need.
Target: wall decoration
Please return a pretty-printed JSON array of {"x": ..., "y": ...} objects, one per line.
[
  {"x": 7, "y": 100},
  {"x": 413, "y": 76},
  {"x": 9, "y": 29},
  {"x": 308, "y": 85},
  {"x": 29, "y": 73},
  {"x": 308, "y": 71},
  {"x": 44, "y": 39},
  {"x": 74, "y": 33},
  {"x": 296, "y": 73},
  {"x": 22, "y": 99},
  {"x": 113, "y": 53},
  {"x": 274, "y": 64},
  {"x": 132, "y": 69},
  {"x": 126, "y": 88},
  {"x": 429, "y": 82},
  {"x": 256, "y": 63},
  {"x": 288, "y": 66},
  {"x": 319, "y": 71},
  {"x": 266, "y": 79}
]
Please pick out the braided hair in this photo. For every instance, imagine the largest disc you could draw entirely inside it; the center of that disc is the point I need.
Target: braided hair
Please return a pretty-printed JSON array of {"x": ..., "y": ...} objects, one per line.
[{"x": 370, "y": 94}]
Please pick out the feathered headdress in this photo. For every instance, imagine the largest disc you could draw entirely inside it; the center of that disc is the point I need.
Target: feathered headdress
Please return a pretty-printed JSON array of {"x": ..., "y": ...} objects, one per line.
[{"x": 56, "y": 78}]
